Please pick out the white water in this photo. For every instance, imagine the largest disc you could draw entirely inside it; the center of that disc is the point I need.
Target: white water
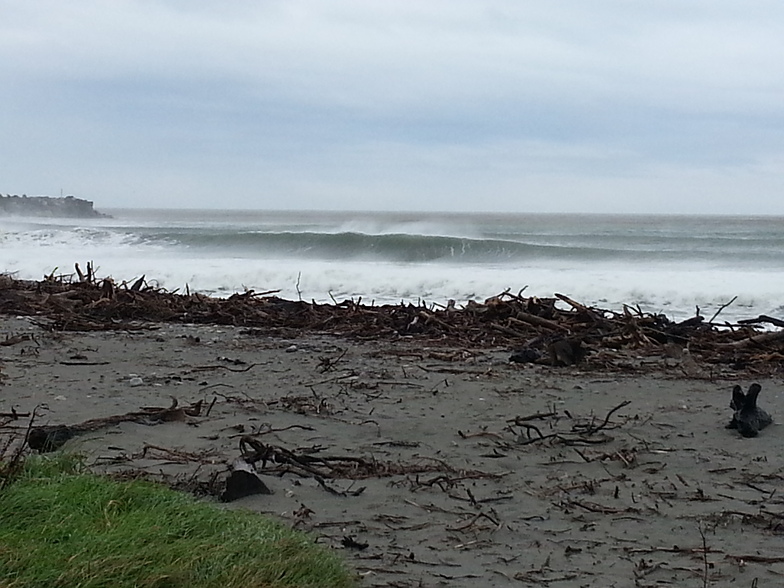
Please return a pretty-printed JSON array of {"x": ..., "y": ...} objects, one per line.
[{"x": 32, "y": 248}]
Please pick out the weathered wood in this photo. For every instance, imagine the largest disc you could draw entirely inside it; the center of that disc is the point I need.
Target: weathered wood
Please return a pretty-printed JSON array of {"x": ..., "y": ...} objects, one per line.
[
  {"x": 59, "y": 303},
  {"x": 531, "y": 319},
  {"x": 763, "y": 339},
  {"x": 763, "y": 318}
]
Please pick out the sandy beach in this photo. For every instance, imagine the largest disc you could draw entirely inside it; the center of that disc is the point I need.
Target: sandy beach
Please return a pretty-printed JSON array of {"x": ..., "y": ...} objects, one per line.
[{"x": 469, "y": 470}]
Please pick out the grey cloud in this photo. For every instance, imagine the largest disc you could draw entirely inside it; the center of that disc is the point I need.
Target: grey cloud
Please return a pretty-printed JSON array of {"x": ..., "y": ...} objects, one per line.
[{"x": 377, "y": 104}]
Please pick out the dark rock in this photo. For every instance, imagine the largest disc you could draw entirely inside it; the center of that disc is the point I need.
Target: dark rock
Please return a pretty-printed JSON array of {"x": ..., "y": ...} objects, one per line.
[
  {"x": 565, "y": 352},
  {"x": 525, "y": 355},
  {"x": 46, "y": 439},
  {"x": 242, "y": 482}
]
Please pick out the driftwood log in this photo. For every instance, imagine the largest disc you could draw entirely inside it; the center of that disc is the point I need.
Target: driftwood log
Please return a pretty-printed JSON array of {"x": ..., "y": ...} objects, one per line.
[{"x": 52, "y": 437}]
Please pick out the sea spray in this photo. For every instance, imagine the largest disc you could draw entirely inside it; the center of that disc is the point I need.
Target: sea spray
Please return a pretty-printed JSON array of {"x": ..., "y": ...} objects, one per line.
[{"x": 661, "y": 264}]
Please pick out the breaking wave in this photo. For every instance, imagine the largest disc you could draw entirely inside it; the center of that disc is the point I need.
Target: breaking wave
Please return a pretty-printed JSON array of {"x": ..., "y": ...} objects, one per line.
[{"x": 662, "y": 264}]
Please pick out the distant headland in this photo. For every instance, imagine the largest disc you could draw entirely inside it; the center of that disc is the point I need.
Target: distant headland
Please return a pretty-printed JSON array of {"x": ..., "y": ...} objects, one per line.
[{"x": 49, "y": 206}]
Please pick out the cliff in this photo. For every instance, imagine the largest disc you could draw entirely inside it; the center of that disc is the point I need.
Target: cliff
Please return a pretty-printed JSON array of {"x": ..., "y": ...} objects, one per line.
[{"x": 69, "y": 206}]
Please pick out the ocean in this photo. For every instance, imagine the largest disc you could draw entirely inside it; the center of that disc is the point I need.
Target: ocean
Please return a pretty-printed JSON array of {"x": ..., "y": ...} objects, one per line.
[{"x": 659, "y": 264}]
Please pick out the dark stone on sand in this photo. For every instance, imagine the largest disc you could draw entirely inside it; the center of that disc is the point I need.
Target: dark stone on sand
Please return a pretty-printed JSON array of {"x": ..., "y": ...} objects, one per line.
[
  {"x": 241, "y": 483},
  {"x": 566, "y": 352},
  {"x": 525, "y": 355},
  {"x": 47, "y": 439}
]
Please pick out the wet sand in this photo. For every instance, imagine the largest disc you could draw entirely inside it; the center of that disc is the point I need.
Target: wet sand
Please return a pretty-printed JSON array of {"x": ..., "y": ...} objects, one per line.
[{"x": 501, "y": 474}]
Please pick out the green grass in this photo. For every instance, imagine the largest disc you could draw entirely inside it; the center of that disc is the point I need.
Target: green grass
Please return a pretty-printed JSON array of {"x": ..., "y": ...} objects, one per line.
[{"x": 60, "y": 527}]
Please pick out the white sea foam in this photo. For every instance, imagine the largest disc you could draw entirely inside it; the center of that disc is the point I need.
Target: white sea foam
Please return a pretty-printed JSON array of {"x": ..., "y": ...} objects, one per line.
[{"x": 31, "y": 248}]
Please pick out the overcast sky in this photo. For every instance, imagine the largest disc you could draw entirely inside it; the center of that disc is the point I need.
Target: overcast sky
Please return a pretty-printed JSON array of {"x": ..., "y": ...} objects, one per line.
[{"x": 570, "y": 106}]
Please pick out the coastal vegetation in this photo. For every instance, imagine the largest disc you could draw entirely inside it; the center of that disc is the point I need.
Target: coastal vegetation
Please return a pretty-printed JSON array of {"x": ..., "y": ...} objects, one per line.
[{"x": 63, "y": 526}]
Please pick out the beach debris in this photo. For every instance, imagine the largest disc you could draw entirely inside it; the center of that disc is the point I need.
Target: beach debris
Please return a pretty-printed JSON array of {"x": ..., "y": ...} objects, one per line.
[
  {"x": 276, "y": 460},
  {"x": 327, "y": 364},
  {"x": 14, "y": 414},
  {"x": 748, "y": 418},
  {"x": 583, "y": 431},
  {"x": 525, "y": 355},
  {"x": 350, "y": 542},
  {"x": 242, "y": 481},
  {"x": 562, "y": 331},
  {"x": 566, "y": 352},
  {"x": 232, "y": 361},
  {"x": 50, "y": 438},
  {"x": 15, "y": 339}
]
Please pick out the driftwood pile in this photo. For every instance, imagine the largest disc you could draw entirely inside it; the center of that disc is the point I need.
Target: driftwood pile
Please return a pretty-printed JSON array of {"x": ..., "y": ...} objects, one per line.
[{"x": 557, "y": 330}]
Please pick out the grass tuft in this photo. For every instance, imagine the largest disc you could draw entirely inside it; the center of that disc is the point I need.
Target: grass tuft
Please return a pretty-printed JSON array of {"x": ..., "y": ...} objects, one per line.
[{"x": 63, "y": 527}]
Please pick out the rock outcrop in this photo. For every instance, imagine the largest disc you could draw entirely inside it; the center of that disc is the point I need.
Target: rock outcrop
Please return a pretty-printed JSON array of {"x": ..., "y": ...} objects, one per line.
[{"x": 69, "y": 206}]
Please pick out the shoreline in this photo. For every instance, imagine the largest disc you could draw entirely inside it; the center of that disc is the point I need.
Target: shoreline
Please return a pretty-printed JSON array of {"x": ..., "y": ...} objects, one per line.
[
  {"x": 672, "y": 268},
  {"x": 471, "y": 494}
]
